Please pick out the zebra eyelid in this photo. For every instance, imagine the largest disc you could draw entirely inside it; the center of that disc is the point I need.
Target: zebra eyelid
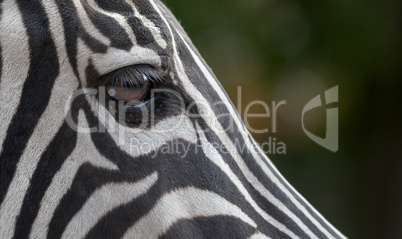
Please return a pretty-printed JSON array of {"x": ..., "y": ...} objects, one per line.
[{"x": 134, "y": 76}]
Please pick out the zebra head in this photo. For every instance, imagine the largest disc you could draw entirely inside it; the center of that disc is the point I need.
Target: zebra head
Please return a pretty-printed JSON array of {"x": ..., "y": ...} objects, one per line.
[{"x": 112, "y": 125}]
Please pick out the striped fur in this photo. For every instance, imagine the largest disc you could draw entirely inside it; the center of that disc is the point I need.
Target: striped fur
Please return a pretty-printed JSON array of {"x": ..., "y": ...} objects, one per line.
[{"x": 56, "y": 181}]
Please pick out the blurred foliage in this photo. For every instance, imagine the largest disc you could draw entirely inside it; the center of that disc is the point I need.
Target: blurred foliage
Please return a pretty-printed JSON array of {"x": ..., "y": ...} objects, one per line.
[{"x": 294, "y": 50}]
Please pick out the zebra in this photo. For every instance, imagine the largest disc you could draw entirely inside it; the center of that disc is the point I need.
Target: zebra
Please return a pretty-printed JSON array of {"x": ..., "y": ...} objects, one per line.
[{"x": 95, "y": 94}]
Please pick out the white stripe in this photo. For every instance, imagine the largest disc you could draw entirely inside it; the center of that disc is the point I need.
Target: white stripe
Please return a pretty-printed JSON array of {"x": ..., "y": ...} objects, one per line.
[
  {"x": 86, "y": 21},
  {"x": 44, "y": 132},
  {"x": 116, "y": 58},
  {"x": 103, "y": 201},
  {"x": 155, "y": 31},
  {"x": 15, "y": 63},
  {"x": 259, "y": 236},
  {"x": 118, "y": 17},
  {"x": 183, "y": 204},
  {"x": 85, "y": 152}
]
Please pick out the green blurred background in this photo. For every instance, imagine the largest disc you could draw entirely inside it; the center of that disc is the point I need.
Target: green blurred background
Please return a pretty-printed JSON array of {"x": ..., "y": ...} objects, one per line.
[{"x": 294, "y": 50}]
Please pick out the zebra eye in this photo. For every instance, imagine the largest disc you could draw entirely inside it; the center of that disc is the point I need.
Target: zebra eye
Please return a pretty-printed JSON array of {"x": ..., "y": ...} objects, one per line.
[
  {"x": 131, "y": 84},
  {"x": 131, "y": 94}
]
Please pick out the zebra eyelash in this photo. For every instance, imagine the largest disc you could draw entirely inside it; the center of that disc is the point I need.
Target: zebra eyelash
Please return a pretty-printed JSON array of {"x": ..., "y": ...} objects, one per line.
[{"x": 134, "y": 76}]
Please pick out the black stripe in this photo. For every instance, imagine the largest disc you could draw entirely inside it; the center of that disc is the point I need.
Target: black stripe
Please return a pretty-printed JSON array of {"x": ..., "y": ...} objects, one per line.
[
  {"x": 50, "y": 163},
  {"x": 109, "y": 27},
  {"x": 117, "y": 222},
  {"x": 142, "y": 33},
  {"x": 146, "y": 9},
  {"x": 1, "y": 51},
  {"x": 44, "y": 68},
  {"x": 210, "y": 227},
  {"x": 1, "y": 56},
  {"x": 73, "y": 30},
  {"x": 116, "y": 6},
  {"x": 87, "y": 180}
]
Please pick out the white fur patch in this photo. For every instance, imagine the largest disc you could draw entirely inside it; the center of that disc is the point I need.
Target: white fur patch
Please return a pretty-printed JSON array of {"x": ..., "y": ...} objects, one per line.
[
  {"x": 156, "y": 33},
  {"x": 15, "y": 63},
  {"x": 185, "y": 203},
  {"x": 89, "y": 26},
  {"x": 105, "y": 200}
]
